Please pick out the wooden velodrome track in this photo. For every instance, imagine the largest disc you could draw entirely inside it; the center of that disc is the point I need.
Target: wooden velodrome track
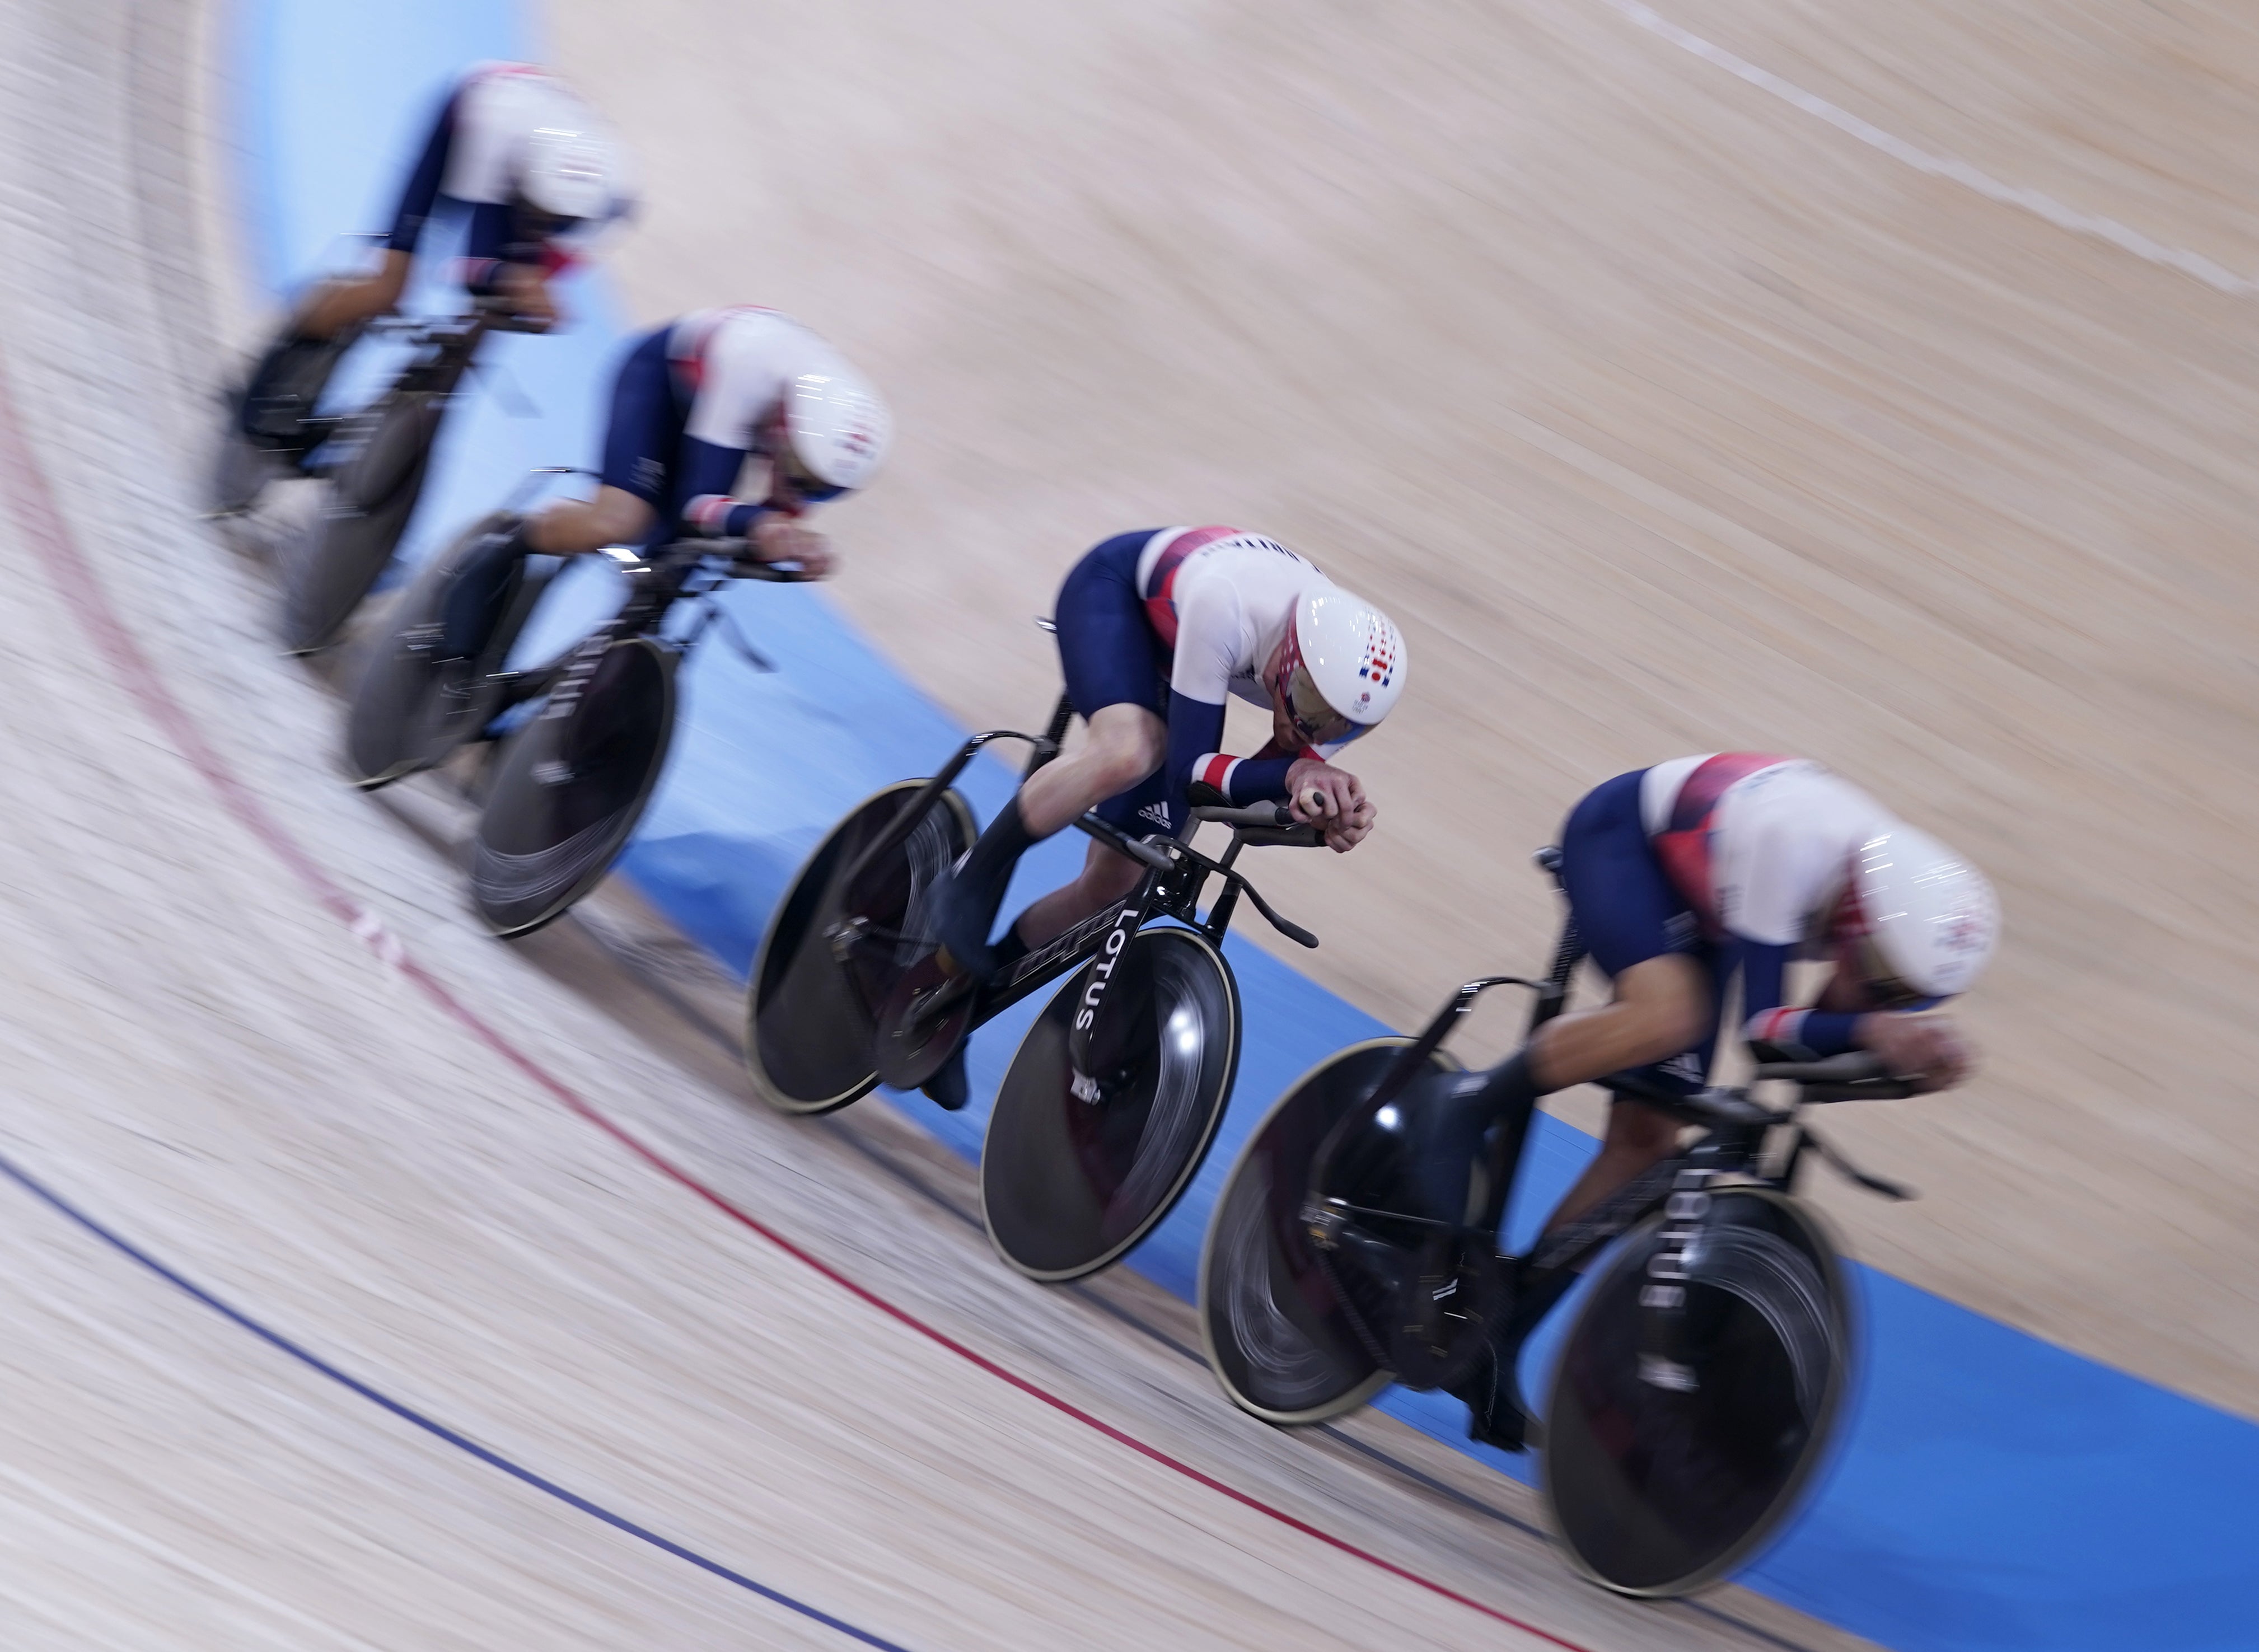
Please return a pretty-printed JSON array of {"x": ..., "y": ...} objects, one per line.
[
  {"x": 1666, "y": 416},
  {"x": 1922, "y": 483},
  {"x": 368, "y": 1284}
]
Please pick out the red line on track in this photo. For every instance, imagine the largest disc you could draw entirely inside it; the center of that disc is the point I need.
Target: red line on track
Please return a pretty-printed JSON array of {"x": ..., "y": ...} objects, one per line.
[{"x": 77, "y": 581}]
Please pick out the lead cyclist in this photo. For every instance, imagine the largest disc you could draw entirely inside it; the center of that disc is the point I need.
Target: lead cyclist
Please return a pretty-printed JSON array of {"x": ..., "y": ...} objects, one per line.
[
  {"x": 1158, "y": 630},
  {"x": 1679, "y": 878}
]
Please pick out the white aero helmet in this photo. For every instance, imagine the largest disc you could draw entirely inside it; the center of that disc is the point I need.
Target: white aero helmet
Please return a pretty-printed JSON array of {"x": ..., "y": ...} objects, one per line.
[
  {"x": 837, "y": 431},
  {"x": 1341, "y": 667},
  {"x": 571, "y": 171},
  {"x": 1920, "y": 921}
]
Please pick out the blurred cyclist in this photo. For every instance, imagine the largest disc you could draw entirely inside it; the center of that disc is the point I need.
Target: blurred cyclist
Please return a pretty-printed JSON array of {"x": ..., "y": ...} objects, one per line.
[
  {"x": 540, "y": 177},
  {"x": 1679, "y": 878},
  {"x": 1157, "y": 630},
  {"x": 694, "y": 400}
]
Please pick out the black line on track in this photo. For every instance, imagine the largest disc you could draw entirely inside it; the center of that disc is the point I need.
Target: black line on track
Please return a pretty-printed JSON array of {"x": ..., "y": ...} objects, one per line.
[{"x": 438, "y": 1430}]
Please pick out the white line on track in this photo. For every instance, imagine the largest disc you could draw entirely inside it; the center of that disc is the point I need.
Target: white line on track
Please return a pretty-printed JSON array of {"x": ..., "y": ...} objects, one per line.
[{"x": 1949, "y": 167}]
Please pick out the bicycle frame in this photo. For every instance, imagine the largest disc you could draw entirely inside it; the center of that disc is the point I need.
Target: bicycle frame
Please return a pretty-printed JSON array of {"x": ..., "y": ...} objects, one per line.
[
  {"x": 1175, "y": 876},
  {"x": 656, "y": 583},
  {"x": 1738, "y": 1139}
]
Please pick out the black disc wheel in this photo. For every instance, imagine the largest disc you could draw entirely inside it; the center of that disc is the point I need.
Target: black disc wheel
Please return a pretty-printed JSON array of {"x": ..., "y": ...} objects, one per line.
[
  {"x": 1665, "y": 1475},
  {"x": 411, "y": 707},
  {"x": 831, "y": 952},
  {"x": 1068, "y": 1185},
  {"x": 270, "y": 420},
  {"x": 372, "y": 495},
  {"x": 570, "y": 785},
  {"x": 1278, "y": 1333}
]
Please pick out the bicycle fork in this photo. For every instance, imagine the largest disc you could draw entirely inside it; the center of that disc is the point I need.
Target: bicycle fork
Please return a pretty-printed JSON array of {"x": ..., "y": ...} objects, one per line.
[
  {"x": 1664, "y": 1352},
  {"x": 1082, "y": 1045}
]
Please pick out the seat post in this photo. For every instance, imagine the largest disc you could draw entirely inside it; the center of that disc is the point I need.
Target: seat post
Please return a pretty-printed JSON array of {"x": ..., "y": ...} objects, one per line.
[{"x": 1048, "y": 747}]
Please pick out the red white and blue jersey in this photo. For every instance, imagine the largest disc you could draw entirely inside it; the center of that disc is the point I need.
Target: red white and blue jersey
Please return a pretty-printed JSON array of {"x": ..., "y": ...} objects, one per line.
[
  {"x": 1760, "y": 847},
  {"x": 733, "y": 368},
  {"x": 477, "y": 155},
  {"x": 1221, "y": 598}
]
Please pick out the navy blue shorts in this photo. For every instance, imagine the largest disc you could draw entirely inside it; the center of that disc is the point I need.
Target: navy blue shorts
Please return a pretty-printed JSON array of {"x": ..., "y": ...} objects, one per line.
[
  {"x": 645, "y": 432},
  {"x": 1625, "y": 909},
  {"x": 1111, "y": 656}
]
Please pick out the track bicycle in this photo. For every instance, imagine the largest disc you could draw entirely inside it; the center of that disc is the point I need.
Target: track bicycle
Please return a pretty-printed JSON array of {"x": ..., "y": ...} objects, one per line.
[
  {"x": 1116, "y": 1090},
  {"x": 566, "y": 786},
  {"x": 1704, "y": 1372},
  {"x": 374, "y": 460}
]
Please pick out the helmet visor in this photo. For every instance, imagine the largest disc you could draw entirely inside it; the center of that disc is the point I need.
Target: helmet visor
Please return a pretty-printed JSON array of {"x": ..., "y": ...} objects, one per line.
[
  {"x": 1314, "y": 721},
  {"x": 1878, "y": 981},
  {"x": 793, "y": 479}
]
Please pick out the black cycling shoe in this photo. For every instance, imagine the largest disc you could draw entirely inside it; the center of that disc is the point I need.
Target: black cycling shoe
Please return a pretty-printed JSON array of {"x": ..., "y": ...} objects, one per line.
[
  {"x": 948, "y": 1088},
  {"x": 274, "y": 409},
  {"x": 1496, "y": 1416},
  {"x": 1492, "y": 1391},
  {"x": 960, "y": 917}
]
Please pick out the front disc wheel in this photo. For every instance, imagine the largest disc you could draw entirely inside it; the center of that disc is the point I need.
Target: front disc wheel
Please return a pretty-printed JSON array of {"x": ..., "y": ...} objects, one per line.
[
  {"x": 1664, "y": 1476},
  {"x": 1073, "y": 1171},
  {"x": 569, "y": 786}
]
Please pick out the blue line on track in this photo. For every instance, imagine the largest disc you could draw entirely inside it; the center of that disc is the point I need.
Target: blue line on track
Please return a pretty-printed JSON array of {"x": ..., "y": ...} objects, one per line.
[{"x": 439, "y": 1430}]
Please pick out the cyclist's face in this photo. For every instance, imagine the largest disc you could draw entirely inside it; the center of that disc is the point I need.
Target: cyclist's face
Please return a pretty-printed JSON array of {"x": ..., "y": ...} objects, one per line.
[
  {"x": 1862, "y": 981},
  {"x": 1300, "y": 715},
  {"x": 791, "y": 488}
]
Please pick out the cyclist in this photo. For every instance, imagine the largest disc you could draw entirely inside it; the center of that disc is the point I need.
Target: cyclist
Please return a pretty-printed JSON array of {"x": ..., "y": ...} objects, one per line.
[
  {"x": 693, "y": 401},
  {"x": 1157, "y": 630},
  {"x": 1680, "y": 878},
  {"x": 541, "y": 177}
]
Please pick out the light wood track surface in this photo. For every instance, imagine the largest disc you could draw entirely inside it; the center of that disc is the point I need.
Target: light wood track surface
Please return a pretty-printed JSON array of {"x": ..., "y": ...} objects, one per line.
[
  {"x": 1665, "y": 416},
  {"x": 201, "y": 1055}
]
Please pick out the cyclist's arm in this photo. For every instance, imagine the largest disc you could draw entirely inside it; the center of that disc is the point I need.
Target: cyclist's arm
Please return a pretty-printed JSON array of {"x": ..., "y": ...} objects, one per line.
[
  {"x": 708, "y": 472},
  {"x": 1196, "y": 732},
  {"x": 1212, "y": 643},
  {"x": 1764, "y": 975},
  {"x": 422, "y": 194},
  {"x": 493, "y": 247}
]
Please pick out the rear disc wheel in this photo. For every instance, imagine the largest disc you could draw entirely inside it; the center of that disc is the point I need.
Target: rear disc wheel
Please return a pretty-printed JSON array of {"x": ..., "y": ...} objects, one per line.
[
  {"x": 1279, "y": 1336},
  {"x": 400, "y": 721},
  {"x": 811, "y": 1014}
]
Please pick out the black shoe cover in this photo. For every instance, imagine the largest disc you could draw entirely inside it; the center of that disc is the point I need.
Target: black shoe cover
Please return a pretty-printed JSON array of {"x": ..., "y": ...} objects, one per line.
[
  {"x": 960, "y": 918},
  {"x": 948, "y": 1088},
  {"x": 1493, "y": 1397}
]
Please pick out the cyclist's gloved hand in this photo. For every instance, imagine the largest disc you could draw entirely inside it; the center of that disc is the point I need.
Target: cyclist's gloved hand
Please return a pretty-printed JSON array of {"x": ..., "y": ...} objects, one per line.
[
  {"x": 779, "y": 538},
  {"x": 1333, "y": 798},
  {"x": 1925, "y": 1047}
]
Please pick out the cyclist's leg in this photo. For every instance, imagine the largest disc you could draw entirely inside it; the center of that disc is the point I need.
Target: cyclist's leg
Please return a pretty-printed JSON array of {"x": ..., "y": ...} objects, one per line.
[
  {"x": 642, "y": 435},
  {"x": 1640, "y": 934},
  {"x": 330, "y": 307},
  {"x": 1126, "y": 745},
  {"x": 1107, "y": 649},
  {"x": 1105, "y": 876},
  {"x": 1633, "y": 923}
]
